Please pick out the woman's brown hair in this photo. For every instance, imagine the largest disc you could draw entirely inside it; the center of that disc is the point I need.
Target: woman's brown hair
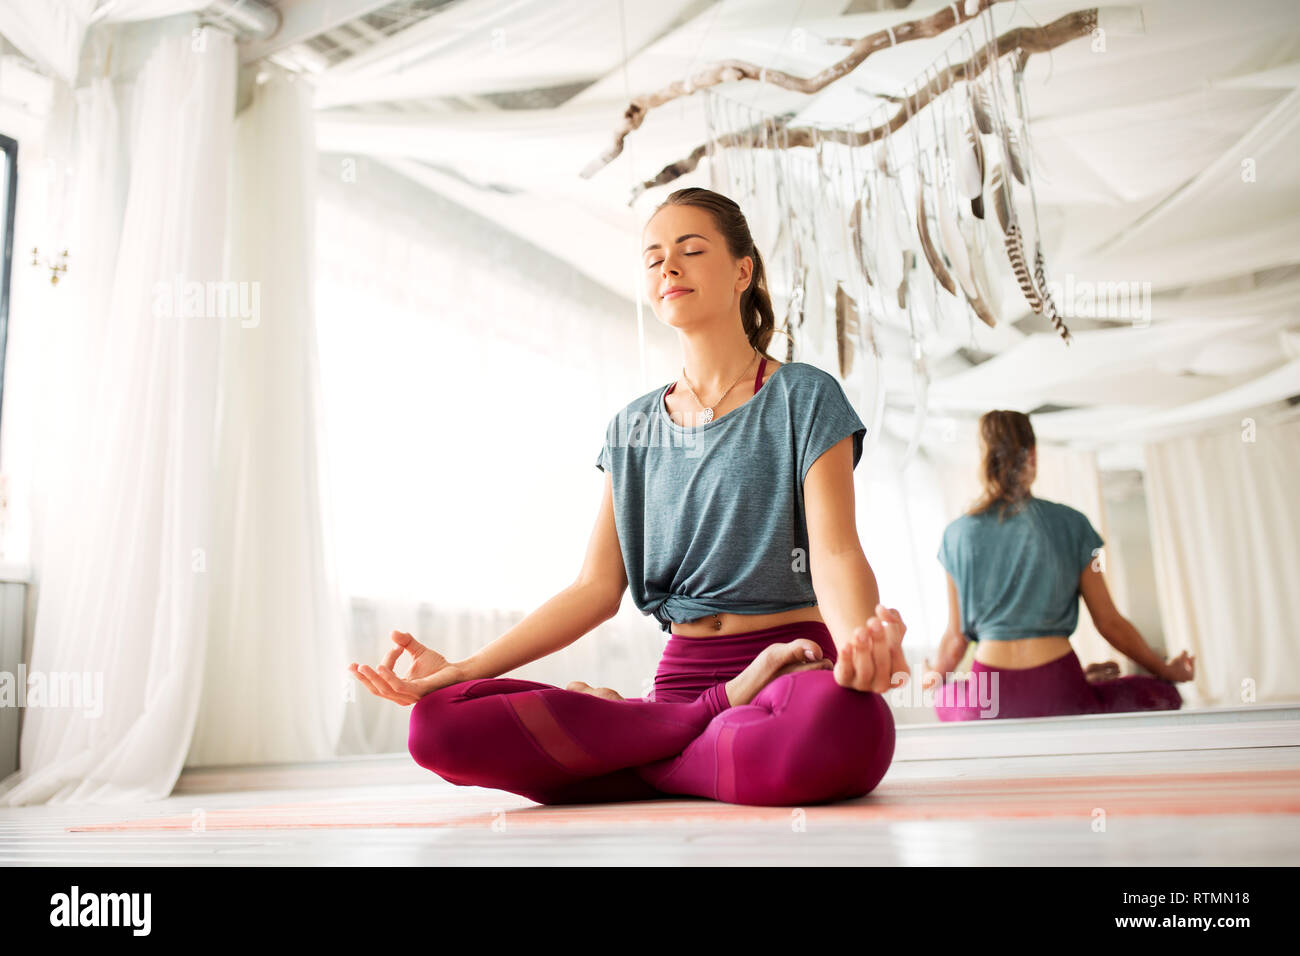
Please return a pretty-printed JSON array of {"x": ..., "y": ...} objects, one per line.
[
  {"x": 1006, "y": 438},
  {"x": 755, "y": 303}
]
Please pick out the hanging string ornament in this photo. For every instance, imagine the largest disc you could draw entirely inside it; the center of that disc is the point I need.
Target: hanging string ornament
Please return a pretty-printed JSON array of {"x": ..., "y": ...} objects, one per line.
[
  {"x": 711, "y": 147},
  {"x": 794, "y": 314},
  {"x": 907, "y": 302},
  {"x": 1011, "y": 149},
  {"x": 933, "y": 249},
  {"x": 902, "y": 224},
  {"x": 1040, "y": 278},
  {"x": 977, "y": 232},
  {"x": 970, "y": 162},
  {"x": 866, "y": 184},
  {"x": 954, "y": 243},
  {"x": 889, "y": 228},
  {"x": 925, "y": 287},
  {"x": 857, "y": 196},
  {"x": 1008, "y": 138},
  {"x": 852, "y": 309},
  {"x": 784, "y": 247},
  {"x": 829, "y": 218},
  {"x": 860, "y": 206},
  {"x": 869, "y": 245},
  {"x": 982, "y": 108},
  {"x": 1003, "y": 204},
  {"x": 860, "y": 194},
  {"x": 1014, "y": 245},
  {"x": 928, "y": 247},
  {"x": 846, "y": 329}
]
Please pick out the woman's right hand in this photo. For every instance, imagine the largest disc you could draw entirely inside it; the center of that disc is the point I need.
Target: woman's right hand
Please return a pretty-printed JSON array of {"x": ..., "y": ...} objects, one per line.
[
  {"x": 429, "y": 671},
  {"x": 1181, "y": 668}
]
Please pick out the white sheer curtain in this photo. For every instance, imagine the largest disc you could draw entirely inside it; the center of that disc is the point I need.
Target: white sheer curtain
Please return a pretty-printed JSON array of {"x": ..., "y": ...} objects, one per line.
[
  {"x": 468, "y": 378},
  {"x": 274, "y": 681},
  {"x": 1070, "y": 476},
  {"x": 900, "y": 522},
  {"x": 1224, "y": 517},
  {"x": 49, "y": 32},
  {"x": 123, "y": 598}
]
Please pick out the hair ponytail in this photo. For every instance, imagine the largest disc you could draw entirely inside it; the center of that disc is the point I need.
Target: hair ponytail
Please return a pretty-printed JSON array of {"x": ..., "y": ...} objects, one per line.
[{"x": 1006, "y": 438}]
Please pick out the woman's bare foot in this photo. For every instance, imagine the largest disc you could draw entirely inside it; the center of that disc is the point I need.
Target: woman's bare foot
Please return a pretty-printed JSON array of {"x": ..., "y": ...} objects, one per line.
[
  {"x": 1103, "y": 671},
  {"x": 584, "y": 688},
  {"x": 771, "y": 662}
]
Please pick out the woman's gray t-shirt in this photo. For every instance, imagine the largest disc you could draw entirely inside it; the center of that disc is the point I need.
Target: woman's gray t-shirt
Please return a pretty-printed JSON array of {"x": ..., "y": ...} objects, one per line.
[
  {"x": 1018, "y": 577},
  {"x": 711, "y": 518}
]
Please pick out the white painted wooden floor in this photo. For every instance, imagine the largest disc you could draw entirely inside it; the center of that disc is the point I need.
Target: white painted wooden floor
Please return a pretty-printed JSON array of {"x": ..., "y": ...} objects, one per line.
[{"x": 1023, "y": 792}]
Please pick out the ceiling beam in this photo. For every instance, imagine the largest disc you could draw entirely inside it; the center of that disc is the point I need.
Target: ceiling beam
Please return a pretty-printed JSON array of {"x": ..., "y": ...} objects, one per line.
[{"x": 304, "y": 19}]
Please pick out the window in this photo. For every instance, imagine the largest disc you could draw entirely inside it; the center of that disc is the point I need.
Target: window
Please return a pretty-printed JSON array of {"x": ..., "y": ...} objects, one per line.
[{"x": 8, "y": 194}]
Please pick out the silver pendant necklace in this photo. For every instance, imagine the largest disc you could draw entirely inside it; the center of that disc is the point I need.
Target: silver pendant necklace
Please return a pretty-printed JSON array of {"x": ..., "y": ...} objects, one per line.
[{"x": 706, "y": 416}]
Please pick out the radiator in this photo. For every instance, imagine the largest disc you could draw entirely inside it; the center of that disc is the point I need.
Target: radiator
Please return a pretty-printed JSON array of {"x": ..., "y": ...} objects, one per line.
[{"x": 13, "y": 603}]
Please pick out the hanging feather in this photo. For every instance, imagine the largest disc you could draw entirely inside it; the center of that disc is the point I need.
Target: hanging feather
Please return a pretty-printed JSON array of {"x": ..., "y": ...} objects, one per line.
[
  {"x": 922, "y": 298},
  {"x": 1019, "y": 169},
  {"x": 882, "y": 158},
  {"x": 1001, "y": 199},
  {"x": 1011, "y": 148},
  {"x": 855, "y": 224},
  {"x": 985, "y": 291},
  {"x": 1049, "y": 305},
  {"x": 846, "y": 328},
  {"x": 982, "y": 108},
  {"x": 1016, "y": 253},
  {"x": 909, "y": 263},
  {"x": 927, "y": 244},
  {"x": 970, "y": 169},
  {"x": 954, "y": 245},
  {"x": 888, "y": 247},
  {"x": 1013, "y": 120},
  {"x": 1012, "y": 238},
  {"x": 822, "y": 219}
]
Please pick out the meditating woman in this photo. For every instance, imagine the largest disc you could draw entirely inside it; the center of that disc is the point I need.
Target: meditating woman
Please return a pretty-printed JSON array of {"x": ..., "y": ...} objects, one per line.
[
  {"x": 728, "y": 509},
  {"x": 1016, "y": 566}
]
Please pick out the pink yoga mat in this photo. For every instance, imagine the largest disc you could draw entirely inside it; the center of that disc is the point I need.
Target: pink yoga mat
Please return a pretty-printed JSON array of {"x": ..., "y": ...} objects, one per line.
[{"x": 934, "y": 798}]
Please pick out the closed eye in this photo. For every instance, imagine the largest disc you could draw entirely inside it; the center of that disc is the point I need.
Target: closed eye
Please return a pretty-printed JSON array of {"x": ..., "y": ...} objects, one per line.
[{"x": 653, "y": 264}]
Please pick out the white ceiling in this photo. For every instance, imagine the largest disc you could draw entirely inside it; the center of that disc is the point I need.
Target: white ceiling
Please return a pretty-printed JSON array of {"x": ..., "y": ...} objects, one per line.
[{"x": 1139, "y": 151}]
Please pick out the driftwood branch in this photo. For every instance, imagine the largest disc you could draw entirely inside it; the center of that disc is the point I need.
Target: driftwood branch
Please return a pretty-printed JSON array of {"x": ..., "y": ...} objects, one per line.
[
  {"x": 728, "y": 71},
  {"x": 1024, "y": 41}
]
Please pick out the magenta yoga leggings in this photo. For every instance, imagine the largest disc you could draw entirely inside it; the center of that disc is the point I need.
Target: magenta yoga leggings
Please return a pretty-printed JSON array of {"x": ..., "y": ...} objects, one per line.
[
  {"x": 1056, "y": 688},
  {"x": 803, "y": 739}
]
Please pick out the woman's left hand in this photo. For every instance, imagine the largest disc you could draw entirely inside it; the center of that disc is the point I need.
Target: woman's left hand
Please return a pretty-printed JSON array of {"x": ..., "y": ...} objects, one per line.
[{"x": 873, "y": 657}]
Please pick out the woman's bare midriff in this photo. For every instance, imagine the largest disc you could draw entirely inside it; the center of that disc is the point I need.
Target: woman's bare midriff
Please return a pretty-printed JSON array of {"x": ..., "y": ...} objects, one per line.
[
  {"x": 740, "y": 623},
  {"x": 1023, "y": 653}
]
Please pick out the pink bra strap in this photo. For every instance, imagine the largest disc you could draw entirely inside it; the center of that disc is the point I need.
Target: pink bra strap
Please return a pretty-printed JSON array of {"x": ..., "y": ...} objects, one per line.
[{"x": 758, "y": 379}]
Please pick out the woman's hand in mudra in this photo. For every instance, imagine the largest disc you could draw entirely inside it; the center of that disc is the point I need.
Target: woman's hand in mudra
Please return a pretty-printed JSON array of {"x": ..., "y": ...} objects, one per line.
[
  {"x": 429, "y": 671},
  {"x": 1181, "y": 668},
  {"x": 874, "y": 654}
]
